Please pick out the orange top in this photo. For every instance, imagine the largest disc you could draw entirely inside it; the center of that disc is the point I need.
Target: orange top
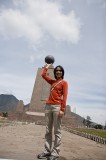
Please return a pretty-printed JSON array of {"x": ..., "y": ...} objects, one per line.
[{"x": 59, "y": 94}]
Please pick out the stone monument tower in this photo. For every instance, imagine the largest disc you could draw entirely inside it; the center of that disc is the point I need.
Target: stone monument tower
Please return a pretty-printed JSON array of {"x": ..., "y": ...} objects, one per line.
[{"x": 41, "y": 91}]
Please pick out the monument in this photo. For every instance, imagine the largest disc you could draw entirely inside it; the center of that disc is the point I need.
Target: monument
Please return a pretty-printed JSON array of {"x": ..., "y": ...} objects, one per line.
[
  {"x": 20, "y": 106},
  {"x": 40, "y": 94},
  {"x": 41, "y": 88}
]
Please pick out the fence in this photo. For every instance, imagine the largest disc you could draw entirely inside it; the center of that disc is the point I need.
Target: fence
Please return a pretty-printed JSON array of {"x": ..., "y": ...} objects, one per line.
[{"x": 86, "y": 135}]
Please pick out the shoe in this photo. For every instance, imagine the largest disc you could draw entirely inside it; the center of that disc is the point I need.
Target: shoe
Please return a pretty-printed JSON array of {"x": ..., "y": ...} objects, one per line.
[
  {"x": 43, "y": 155},
  {"x": 52, "y": 157}
]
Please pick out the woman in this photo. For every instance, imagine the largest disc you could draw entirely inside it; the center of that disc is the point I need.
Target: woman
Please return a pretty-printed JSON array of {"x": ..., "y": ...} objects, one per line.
[{"x": 54, "y": 111}]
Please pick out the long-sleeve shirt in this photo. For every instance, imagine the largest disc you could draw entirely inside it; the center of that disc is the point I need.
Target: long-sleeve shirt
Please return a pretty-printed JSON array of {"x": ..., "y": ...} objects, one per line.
[{"x": 59, "y": 94}]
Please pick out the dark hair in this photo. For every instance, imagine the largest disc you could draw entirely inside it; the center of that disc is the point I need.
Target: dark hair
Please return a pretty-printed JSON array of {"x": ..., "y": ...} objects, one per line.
[{"x": 62, "y": 69}]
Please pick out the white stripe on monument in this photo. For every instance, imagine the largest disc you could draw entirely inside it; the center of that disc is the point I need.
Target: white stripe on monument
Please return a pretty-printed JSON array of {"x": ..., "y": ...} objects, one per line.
[{"x": 35, "y": 113}]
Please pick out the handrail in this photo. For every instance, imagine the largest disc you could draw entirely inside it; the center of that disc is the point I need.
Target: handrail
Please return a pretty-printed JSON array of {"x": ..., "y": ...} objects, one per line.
[{"x": 86, "y": 135}]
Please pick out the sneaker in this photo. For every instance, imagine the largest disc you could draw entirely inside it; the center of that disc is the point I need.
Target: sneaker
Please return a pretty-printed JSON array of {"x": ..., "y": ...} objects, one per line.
[
  {"x": 43, "y": 155},
  {"x": 52, "y": 157}
]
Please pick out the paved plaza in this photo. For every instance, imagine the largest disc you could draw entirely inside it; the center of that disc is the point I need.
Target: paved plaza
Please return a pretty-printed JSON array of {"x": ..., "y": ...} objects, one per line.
[{"x": 25, "y": 141}]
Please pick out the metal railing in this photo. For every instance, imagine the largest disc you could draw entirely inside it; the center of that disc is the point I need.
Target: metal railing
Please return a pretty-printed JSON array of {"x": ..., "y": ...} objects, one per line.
[{"x": 86, "y": 135}]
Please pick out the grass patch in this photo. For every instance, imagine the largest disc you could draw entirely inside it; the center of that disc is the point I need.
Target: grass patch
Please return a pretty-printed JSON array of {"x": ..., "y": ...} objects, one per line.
[
  {"x": 4, "y": 121},
  {"x": 101, "y": 133}
]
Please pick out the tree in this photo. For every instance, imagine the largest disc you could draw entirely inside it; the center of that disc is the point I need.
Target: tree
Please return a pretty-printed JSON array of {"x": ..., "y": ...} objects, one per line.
[
  {"x": 88, "y": 121},
  {"x": 105, "y": 125},
  {"x": 85, "y": 122},
  {"x": 5, "y": 114},
  {"x": 98, "y": 126}
]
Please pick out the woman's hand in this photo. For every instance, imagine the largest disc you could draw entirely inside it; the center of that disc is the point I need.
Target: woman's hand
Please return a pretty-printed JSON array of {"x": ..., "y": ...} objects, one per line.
[
  {"x": 47, "y": 65},
  {"x": 61, "y": 113}
]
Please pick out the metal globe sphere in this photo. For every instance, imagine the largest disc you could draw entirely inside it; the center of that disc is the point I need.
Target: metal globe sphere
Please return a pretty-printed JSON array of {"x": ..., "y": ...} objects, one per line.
[{"x": 49, "y": 59}]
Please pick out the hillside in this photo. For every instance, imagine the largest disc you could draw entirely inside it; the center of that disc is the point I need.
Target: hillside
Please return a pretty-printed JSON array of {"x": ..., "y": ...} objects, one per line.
[
  {"x": 8, "y": 103},
  {"x": 78, "y": 119}
]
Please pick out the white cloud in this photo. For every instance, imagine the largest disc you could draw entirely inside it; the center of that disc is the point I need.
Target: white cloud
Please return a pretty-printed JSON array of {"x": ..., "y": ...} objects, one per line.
[
  {"x": 32, "y": 20},
  {"x": 14, "y": 24}
]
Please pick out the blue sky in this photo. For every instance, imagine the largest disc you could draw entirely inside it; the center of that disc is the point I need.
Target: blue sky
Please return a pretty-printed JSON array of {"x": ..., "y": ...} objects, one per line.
[{"x": 73, "y": 31}]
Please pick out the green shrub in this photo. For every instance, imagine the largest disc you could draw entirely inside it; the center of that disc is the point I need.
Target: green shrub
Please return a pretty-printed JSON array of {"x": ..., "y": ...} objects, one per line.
[
  {"x": 5, "y": 114},
  {"x": 98, "y": 126}
]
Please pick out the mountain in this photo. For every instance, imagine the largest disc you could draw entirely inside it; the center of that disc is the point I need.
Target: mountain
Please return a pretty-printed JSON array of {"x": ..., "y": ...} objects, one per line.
[{"x": 8, "y": 103}]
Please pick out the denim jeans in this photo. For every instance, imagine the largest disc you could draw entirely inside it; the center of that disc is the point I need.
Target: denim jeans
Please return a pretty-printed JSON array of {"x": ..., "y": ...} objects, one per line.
[{"x": 53, "y": 120}]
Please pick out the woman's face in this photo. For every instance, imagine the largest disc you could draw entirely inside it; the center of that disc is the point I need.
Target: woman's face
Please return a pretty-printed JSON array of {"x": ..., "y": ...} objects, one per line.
[{"x": 58, "y": 72}]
